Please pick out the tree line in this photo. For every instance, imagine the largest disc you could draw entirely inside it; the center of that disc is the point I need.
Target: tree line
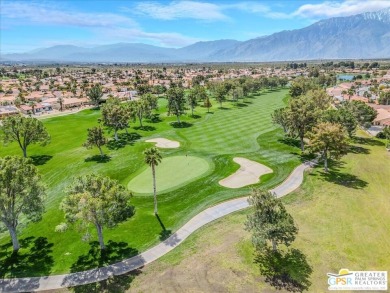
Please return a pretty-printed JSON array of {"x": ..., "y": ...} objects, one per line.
[{"x": 311, "y": 117}]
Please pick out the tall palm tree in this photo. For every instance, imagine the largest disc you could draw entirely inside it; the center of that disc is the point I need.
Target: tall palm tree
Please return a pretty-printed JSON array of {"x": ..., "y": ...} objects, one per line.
[{"x": 153, "y": 158}]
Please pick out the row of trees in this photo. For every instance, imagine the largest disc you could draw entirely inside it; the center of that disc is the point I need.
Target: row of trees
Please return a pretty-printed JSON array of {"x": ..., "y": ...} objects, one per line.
[
  {"x": 310, "y": 116},
  {"x": 90, "y": 200},
  {"x": 232, "y": 89},
  {"x": 178, "y": 99}
]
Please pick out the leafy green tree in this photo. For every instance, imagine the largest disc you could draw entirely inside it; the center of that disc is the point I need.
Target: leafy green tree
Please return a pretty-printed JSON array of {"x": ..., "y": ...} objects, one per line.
[
  {"x": 142, "y": 109},
  {"x": 143, "y": 89},
  {"x": 115, "y": 116},
  {"x": 95, "y": 94},
  {"x": 21, "y": 193},
  {"x": 269, "y": 221},
  {"x": 280, "y": 116},
  {"x": 95, "y": 200},
  {"x": 363, "y": 113},
  {"x": 176, "y": 101},
  {"x": 153, "y": 158},
  {"x": 296, "y": 90},
  {"x": 95, "y": 138},
  {"x": 24, "y": 131},
  {"x": 207, "y": 104},
  {"x": 301, "y": 86},
  {"x": 152, "y": 101},
  {"x": 321, "y": 99},
  {"x": 302, "y": 116},
  {"x": 384, "y": 98},
  {"x": 237, "y": 93},
  {"x": 283, "y": 81},
  {"x": 220, "y": 93},
  {"x": 342, "y": 116},
  {"x": 195, "y": 94},
  {"x": 328, "y": 140}
]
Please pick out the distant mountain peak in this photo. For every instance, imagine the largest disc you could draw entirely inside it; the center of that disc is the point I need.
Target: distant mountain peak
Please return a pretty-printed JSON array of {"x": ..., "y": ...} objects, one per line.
[{"x": 361, "y": 36}]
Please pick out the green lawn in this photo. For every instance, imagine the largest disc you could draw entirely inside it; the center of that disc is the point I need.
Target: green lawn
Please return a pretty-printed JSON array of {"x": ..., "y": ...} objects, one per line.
[
  {"x": 186, "y": 169},
  {"x": 343, "y": 221},
  {"x": 244, "y": 129}
]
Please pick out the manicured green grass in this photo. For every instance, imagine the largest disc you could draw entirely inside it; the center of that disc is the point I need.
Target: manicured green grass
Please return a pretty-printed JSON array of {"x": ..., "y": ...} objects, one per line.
[
  {"x": 343, "y": 221},
  {"x": 186, "y": 169},
  {"x": 243, "y": 129}
]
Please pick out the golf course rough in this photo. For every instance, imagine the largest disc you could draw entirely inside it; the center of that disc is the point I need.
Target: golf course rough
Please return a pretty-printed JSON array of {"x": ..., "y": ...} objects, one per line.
[{"x": 171, "y": 173}]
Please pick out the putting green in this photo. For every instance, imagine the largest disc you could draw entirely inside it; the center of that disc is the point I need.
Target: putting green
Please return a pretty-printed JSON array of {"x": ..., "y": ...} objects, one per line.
[{"x": 170, "y": 173}]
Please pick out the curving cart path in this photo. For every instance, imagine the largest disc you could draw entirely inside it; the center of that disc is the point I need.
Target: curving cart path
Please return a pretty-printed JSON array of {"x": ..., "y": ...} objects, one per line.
[{"x": 293, "y": 181}]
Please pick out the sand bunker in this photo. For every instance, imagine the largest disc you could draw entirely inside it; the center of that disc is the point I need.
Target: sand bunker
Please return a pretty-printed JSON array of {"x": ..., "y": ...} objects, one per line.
[
  {"x": 164, "y": 143},
  {"x": 249, "y": 173}
]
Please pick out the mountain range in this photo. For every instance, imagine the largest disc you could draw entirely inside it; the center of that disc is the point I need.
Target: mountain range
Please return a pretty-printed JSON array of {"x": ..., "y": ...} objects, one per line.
[{"x": 361, "y": 36}]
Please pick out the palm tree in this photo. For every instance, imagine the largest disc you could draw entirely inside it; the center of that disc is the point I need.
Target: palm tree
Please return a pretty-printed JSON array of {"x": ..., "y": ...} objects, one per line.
[{"x": 153, "y": 158}]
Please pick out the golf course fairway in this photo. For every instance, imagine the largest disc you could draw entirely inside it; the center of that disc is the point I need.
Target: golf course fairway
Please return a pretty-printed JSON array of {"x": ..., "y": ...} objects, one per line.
[{"x": 171, "y": 172}]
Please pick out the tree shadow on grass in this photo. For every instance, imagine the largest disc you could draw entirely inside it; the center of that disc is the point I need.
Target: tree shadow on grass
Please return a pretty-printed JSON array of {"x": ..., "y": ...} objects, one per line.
[
  {"x": 358, "y": 150},
  {"x": 164, "y": 234},
  {"x": 285, "y": 270},
  {"x": 123, "y": 140},
  {"x": 344, "y": 179},
  {"x": 37, "y": 260},
  {"x": 40, "y": 159},
  {"x": 98, "y": 159},
  {"x": 304, "y": 157},
  {"x": 182, "y": 124},
  {"x": 115, "y": 284},
  {"x": 290, "y": 141},
  {"x": 145, "y": 128},
  {"x": 154, "y": 118},
  {"x": 87, "y": 270},
  {"x": 241, "y": 105},
  {"x": 195, "y": 116},
  {"x": 367, "y": 141},
  {"x": 96, "y": 257}
]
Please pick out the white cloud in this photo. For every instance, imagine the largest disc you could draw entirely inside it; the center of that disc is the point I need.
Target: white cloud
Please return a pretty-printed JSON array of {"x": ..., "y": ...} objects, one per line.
[
  {"x": 166, "y": 39},
  {"x": 44, "y": 14},
  {"x": 208, "y": 11},
  {"x": 256, "y": 8},
  {"x": 114, "y": 27},
  {"x": 336, "y": 8},
  {"x": 181, "y": 9}
]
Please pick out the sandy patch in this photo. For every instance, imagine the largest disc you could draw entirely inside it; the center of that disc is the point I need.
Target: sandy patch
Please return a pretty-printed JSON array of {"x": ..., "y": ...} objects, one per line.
[
  {"x": 164, "y": 143},
  {"x": 249, "y": 173}
]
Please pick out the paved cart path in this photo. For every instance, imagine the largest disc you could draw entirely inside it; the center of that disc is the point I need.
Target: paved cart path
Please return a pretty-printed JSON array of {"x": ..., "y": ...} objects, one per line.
[{"x": 293, "y": 181}]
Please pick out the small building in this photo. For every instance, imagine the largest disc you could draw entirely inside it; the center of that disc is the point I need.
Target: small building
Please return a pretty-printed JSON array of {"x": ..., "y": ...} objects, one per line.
[
  {"x": 6, "y": 111},
  {"x": 383, "y": 117},
  {"x": 27, "y": 109}
]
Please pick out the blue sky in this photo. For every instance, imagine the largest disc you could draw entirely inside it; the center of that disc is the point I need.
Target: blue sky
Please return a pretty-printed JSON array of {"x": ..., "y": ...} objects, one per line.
[{"x": 27, "y": 25}]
